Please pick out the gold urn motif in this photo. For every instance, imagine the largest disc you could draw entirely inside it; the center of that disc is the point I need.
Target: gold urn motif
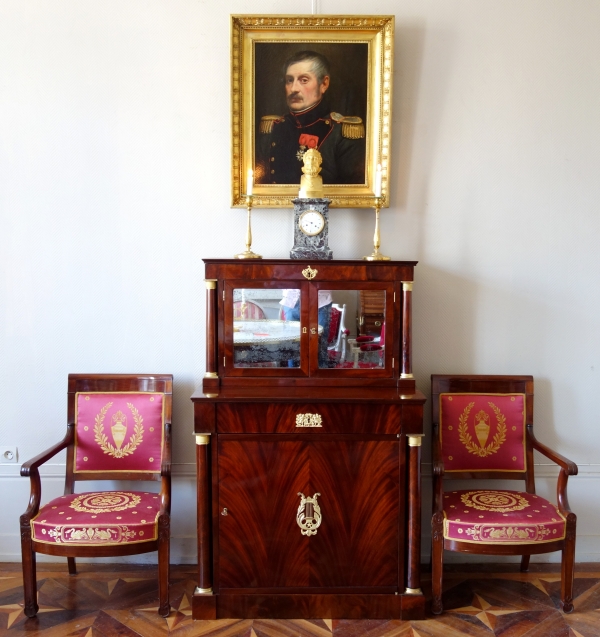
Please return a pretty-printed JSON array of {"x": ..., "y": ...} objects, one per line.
[
  {"x": 482, "y": 427},
  {"x": 119, "y": 428}
]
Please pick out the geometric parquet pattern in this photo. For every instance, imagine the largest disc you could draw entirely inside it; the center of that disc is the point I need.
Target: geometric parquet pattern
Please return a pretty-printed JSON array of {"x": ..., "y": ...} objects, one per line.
[{"x": 121, "y": 601}]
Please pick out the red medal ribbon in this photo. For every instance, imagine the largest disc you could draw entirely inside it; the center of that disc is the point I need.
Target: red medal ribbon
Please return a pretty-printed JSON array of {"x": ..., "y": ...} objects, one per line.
[{"x": 311, "y": 141}]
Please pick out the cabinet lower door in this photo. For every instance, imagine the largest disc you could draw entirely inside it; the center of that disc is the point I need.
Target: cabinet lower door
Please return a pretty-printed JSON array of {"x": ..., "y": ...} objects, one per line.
[{"x": 350, "y": 528}]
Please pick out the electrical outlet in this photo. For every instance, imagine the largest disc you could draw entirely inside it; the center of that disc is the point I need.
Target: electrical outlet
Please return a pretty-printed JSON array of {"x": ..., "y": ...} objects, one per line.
[{"x": 8, "y": 454}]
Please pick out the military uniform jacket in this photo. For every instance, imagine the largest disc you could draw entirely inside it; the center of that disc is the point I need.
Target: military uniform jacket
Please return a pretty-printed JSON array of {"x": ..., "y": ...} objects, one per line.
[{"x": 282, "y": 141}]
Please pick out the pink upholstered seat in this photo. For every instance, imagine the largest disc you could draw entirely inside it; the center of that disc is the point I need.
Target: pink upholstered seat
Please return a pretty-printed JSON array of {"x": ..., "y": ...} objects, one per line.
[
  {"x": 99, "y": 517},
  {"x": 501, "y": 517}
]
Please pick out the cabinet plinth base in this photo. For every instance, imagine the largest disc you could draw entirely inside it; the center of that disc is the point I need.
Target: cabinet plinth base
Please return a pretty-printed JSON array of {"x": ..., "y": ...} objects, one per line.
[{"x": 307, "y": 606}]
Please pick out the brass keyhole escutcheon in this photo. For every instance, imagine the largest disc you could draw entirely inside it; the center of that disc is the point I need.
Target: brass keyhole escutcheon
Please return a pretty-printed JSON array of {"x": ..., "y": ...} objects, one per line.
[
  {"x": 309, "y": 273},
  {"x": 309, "y": 515},
  {"x": 224, "y": 512}
]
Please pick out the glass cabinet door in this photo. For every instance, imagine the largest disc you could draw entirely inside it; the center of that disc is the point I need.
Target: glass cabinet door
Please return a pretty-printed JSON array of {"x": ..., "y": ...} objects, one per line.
[
  {"x": 322, "y": 329},
  {"x": 352, "y": 326},
  {"x": 263, "y": 329}
]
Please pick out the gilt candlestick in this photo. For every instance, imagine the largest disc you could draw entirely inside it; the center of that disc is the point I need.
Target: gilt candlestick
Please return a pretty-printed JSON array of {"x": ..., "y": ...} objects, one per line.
[
  {"x": 248, "y": 254},
  {"x": 376, "y": 255}
]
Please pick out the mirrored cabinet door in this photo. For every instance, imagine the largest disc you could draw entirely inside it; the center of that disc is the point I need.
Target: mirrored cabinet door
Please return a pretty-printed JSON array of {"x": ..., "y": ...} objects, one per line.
[
  {"x": 322, "y": 329},
  {"x": 352, "y": 326},
  {"x": 265, "y": 329}
]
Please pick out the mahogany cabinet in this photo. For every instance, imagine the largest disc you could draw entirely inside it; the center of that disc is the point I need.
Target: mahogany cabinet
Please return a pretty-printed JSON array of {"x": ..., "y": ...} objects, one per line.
[{"x": 308, "y": 444}]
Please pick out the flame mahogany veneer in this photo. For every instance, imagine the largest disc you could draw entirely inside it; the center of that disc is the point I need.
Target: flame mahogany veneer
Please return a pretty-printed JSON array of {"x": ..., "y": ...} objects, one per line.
[{"x": 362, "y": 465}]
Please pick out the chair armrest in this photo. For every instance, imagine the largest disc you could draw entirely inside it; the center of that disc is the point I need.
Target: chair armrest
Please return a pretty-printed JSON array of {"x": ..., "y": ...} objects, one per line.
[
  {"x": 568, "y": 465},
  {"x": 567, "y": 468},
  {"x": 31, "y": 469},
  {"x": 28, "y": 467}
]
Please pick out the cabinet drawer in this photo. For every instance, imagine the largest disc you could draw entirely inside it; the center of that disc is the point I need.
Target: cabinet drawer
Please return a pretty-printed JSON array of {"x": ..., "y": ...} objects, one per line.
[{"x": 322, "y": 418}]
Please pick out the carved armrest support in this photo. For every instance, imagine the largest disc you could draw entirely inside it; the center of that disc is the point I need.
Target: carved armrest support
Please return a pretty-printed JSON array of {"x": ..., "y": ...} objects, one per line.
[
  {"x": 165, "y": 472},
  {"x": 438, "y": 473},
  {"x": 165, "y": 467},
  {"x": 30, "y": 469}
]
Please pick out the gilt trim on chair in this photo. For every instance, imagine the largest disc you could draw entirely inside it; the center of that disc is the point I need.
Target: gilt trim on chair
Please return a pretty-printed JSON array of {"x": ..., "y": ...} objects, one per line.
[
  {"x": 483, "y": 432},
  {"x": 120, "y": 431}
]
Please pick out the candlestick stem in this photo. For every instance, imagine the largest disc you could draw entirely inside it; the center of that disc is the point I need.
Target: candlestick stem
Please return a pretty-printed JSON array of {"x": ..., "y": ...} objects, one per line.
[
  {"x": 376, "y": 255},
  {"x": 248, "y": 254}
]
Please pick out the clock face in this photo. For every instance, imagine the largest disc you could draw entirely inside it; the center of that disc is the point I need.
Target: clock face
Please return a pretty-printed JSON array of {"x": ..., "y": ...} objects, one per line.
[{"x": 311, "y": 222}]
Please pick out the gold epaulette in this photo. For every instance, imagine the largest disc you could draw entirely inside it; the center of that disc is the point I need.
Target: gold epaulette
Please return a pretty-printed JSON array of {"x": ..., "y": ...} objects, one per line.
[
  {"x": 267, "y": 121},
  {"x": 352, "y": 127}
]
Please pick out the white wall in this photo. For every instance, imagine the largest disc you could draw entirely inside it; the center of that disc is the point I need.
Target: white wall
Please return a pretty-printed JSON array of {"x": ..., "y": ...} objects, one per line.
[{"x": 114, "y": 183}]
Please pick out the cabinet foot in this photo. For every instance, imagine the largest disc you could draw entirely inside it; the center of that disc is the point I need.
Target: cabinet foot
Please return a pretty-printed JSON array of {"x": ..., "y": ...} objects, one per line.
[
  {"x": 413, "y": 606},
  {"x": 204, "y": 606}
]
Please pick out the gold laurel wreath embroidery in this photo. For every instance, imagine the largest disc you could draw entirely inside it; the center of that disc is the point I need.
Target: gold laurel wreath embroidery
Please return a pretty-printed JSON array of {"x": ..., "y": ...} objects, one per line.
[
  {"x": 467, "y": 440},
  {"x": 102, "y": 439}
]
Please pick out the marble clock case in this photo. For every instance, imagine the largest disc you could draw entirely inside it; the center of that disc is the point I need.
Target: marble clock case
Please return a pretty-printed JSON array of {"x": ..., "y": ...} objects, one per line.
[{"x": 314, "y": 247}]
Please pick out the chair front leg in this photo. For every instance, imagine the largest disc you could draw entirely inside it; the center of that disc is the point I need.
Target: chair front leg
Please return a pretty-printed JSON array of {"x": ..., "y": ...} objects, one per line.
[
  {"x": 525, "y": 563},
  {"x": 568, "y": 565},
  {"x": 29, "y": 571},
  {"x": 164, "y": 537},
  {"x": 437, "y": 561}
]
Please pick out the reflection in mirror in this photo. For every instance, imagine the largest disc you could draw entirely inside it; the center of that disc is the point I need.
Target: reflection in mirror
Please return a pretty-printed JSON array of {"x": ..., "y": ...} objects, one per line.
[
  {"x": 266, "y": 327},
  {"x": 354, "y": 321},
  {"x": 267, "y": 330}
]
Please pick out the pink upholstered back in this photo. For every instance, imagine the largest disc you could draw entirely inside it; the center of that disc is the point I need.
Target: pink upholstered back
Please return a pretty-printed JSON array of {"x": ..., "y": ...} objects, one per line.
[
  {"x": 247, "y": 310},
  {"x": 334, "y": 325},
  {"x": 120, "y": 431},
  {"x": 483, "y": 432}
]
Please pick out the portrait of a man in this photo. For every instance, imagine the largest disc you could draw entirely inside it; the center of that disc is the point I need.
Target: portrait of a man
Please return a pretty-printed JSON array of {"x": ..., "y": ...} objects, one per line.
[{"x": 310, "y": 96}]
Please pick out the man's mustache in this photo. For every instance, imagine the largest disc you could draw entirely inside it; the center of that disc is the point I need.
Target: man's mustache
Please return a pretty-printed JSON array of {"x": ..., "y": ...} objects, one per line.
[{"x": 292, "y": 95}]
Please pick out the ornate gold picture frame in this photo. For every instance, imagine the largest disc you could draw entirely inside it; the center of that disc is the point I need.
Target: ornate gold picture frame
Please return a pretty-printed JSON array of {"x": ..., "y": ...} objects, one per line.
[{"x": 360, "y": 53}]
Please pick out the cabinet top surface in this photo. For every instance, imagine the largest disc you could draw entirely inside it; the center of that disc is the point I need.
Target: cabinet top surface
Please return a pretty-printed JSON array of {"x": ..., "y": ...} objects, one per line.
[
  {"x": 308, "y": 394},
  {"x": 342, "y": 262}
]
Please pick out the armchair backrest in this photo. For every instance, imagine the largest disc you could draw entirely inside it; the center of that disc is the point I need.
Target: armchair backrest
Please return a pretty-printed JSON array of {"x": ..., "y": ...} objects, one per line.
[
  {"x": 120, "y": 424},
  {"x": 480, "y": 424}
]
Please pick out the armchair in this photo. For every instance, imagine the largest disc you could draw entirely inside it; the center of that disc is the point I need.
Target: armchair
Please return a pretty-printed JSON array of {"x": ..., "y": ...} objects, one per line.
[
  {"x": 119, "y": 428},
  {"x": 483, "y": 429}
]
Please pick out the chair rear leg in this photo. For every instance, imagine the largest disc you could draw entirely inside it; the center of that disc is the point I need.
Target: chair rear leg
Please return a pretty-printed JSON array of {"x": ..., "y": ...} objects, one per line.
[
  {"x": 568, "y": 565},
  {"x": 437, "y": 562},
  {"x": 164, "y": 537},
  {"x": 72, "y": 566},
  {"x": 525, "y": 563},
  {"x": 29, "y": 570}
]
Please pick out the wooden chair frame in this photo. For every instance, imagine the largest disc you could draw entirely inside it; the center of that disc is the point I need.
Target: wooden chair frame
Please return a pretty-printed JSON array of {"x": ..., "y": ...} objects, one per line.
[
  {"x": 498, "y": 384},
  {"x": 100, "y": 383}
]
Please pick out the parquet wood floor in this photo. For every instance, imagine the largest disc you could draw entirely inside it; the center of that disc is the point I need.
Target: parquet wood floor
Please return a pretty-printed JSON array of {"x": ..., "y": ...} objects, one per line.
[{"x": 120, "y": 600}]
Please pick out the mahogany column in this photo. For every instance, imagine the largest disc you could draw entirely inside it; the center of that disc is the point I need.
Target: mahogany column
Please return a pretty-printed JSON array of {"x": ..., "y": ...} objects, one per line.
[
  {"x": 406, "y": 354},
  {"x": 211, "y": 377},
  {"x": 204, "y": 517},
  {"x": 413, "y": 575}
]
